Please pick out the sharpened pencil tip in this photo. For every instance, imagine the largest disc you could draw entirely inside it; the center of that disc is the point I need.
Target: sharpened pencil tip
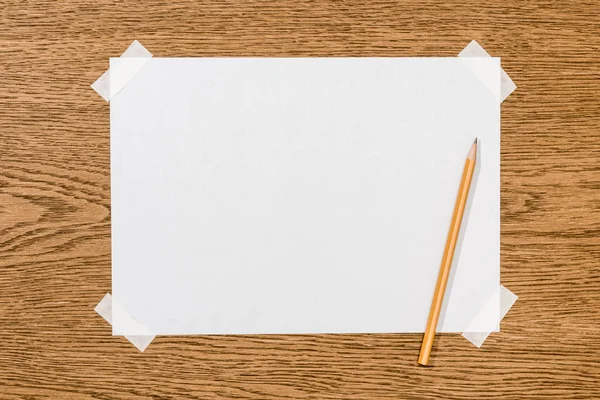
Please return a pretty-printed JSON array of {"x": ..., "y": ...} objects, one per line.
[{"x": 473, "y": 150}]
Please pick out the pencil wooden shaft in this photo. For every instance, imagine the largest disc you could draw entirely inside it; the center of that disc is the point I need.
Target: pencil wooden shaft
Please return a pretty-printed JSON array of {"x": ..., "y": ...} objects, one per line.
[{"x": 440, "y": 287}]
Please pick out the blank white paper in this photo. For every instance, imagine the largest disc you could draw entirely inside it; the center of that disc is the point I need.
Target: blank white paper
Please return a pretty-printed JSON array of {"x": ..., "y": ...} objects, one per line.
[{"x": 302, "y": 195}]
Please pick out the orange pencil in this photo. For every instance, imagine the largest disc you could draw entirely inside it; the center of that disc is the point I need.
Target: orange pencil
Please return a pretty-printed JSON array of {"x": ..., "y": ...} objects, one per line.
[{"x": 440, "y": 287}]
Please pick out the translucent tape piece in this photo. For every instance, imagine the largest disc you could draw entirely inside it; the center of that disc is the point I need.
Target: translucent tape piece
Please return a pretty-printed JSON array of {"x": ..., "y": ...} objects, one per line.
[
  {"x": 108, "y": 309},
  {"x": 108, "y": 86},
  {"x": 474, "y": 50},
  {"x": 507, "y": 299}
]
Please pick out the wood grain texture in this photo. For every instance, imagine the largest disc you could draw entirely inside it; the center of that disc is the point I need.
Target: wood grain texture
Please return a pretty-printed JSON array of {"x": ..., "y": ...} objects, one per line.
[{"x": 55, "y": 203}]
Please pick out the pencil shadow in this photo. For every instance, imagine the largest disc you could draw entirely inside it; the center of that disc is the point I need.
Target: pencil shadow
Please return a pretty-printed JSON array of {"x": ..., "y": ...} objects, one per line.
[{"x": 461, "y": 235}]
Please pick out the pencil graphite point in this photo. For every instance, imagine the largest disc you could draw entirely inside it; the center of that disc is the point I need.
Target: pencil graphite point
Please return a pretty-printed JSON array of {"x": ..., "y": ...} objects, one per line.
[{"x": 473, "y": 151}]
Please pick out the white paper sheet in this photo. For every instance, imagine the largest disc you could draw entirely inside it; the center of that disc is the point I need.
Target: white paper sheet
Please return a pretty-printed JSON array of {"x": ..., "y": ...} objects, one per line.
[{"x": 261, "y": 195}]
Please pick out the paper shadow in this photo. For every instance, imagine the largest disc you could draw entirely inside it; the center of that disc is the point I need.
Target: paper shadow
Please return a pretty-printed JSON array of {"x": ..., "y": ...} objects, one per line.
[{"x": 461, "y": 235}]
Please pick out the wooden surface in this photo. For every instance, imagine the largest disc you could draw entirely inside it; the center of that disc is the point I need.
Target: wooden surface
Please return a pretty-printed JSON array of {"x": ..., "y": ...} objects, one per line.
[{"x": 55, "y": 208}]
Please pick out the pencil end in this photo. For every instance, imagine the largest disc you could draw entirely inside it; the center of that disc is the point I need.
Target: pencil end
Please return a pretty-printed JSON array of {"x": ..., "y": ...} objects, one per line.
[{"x": 473, "y": 150}]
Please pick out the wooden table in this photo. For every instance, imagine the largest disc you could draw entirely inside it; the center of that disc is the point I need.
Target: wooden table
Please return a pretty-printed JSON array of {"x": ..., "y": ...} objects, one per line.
[{"x": 55, "y": 203}]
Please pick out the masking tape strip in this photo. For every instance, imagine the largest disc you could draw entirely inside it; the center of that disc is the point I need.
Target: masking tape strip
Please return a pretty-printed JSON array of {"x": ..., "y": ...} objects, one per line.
[
  {"x": 136, "y": 57},
  {"x": 506, "y": 299},
  {"x": 474, "y": 50},
  {"x": 108, "y": 307}
]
